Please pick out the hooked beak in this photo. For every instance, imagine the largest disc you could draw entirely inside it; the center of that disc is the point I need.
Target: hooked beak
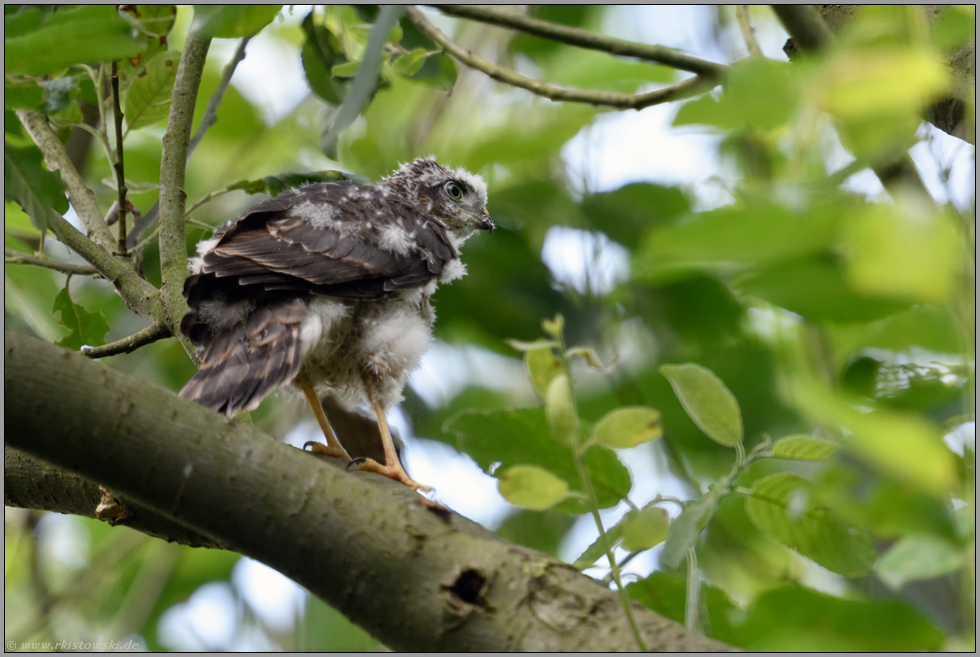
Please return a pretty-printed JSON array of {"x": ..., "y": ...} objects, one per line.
[{"x": 486, "y": 221}]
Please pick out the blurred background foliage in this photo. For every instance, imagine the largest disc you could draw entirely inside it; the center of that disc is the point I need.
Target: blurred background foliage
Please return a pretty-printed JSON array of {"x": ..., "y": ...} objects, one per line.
[{"x": 828, "y": 306}]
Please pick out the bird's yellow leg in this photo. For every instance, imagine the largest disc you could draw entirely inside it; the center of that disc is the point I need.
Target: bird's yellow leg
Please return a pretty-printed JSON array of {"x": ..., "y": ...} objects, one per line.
[
  {"x": 333, "y": 447},
  {"x": 393, "y": 466}
]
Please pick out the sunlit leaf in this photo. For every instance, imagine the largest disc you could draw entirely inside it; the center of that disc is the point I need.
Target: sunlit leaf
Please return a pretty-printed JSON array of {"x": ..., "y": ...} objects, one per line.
[
  {"x": 560, "y": 407},
  {"x": 804, "y": 448},
  {"x": 780, "y": 506},
  {"x": 707, "y": 401},
  {"x": 345, "y": 70},
  {"x": 905, "y": 250},
  {"x": 411, "y": 63},
  {"x": 917, "y": 557},
  {"x": 665, "y": 593},
  {"x": 542, "y": 366},
  {"x": 648, "y": 529},
  {"x": 628, "y": 427},
  {"x": 531, "y": 487}
]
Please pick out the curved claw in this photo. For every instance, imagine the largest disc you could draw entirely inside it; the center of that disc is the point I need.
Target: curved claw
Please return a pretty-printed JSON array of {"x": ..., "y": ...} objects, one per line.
[
  {"x": 308, "y": 443},
  {"x": 355, "y": 461}
]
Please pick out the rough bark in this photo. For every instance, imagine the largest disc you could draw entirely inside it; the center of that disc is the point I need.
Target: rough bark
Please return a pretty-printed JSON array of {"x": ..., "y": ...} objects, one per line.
[{"x": 414, "y": 578}]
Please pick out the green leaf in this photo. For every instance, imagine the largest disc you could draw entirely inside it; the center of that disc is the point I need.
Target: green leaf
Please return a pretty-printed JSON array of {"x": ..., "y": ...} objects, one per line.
[
  {"x": 86, "y": 328},
  {"x": 648, "y": 529},
  {"x": 793, "y": 618},
  {"x": 560, "y": 407},
  {"x": 321, "y": 52},
  {"x": 554, "y": 327},
  {"x": 686, "y": 529},
  {"x": 501, "y": 439},
  {"x": 780, "y": 507},
  {"x": 231, "y": 21},
  {"x": 531, "y": 487},
  {"x": 542, "y": 366},
  {"x": 22, "y": 94},
  {"x": 148, "y": 98},
  {"x": 665, "y": 593},
  {"x": 597, "y": 549},
  {"x": 411, "y": 63},
  {"x": 26, "y": 181},
  {"x": 628, "y": 427},
  {"x": 156, "y": 20},
  {"x": 538, "y": 530},
  {"x": 628, "y": 212},
  {"x": 438, "y": 72},
  {"x": 914, "y": 558},
  {"x": 707, "y": 401},
  {"x": 903, "y": 445},
  {"x": 817, "y": 290},
  {"x": 91, "y": 33},
  {"x": 760, "y": 94},
  {"x": 804, "y": 448},
  {"x": 907, "y": 250},
  {"x": 345, "y": 70}
]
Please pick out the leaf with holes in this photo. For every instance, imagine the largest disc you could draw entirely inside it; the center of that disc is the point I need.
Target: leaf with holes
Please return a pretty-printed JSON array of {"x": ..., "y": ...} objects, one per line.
[
  {"x": 804, "y": 448},
  {"x": 628, "y": 427},
  {"x": 780, "y": 507},
  {"x": 148, "y": 98},
  {"x": 86, "y": 328},
  {"x": 707, "y": 401},
  {"x": 531, "y": 487}
]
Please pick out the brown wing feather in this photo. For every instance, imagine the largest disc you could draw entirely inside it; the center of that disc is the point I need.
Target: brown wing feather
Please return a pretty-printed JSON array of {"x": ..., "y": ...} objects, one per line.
[{"x": 244, "y": 363}]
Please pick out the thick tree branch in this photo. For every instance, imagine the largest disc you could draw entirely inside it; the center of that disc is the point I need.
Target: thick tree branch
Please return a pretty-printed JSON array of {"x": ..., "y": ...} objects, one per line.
[
  {"x": 149, "y": 335},
  {"x": 80, "y": 196},
  {"x": 30, "y": 483},
  {"x": 173, "y": 165},
  {"x": 12, "y": 257},
  {"x": 585, "y": 39},
  {"x": 415, "y": 579},
  {"x": 615, "y": 99}
]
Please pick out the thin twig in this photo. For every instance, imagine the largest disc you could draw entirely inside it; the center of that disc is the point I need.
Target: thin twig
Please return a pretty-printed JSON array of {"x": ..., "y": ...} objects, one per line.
[
  {"x": 616, "y": 99},
  {"x": 210, "y": 115},
  {"x": 582, "y": 469},
  {"x": 12, "y": 257},
  {"x": 173, "y": 166},
  {"x": 79, "y": 195},
  {"x": 585, "y": 39},
  {"x": 118, "y": 165},
  {"x": 748, "y": 33},
  {"x": 149, "y": 335}
]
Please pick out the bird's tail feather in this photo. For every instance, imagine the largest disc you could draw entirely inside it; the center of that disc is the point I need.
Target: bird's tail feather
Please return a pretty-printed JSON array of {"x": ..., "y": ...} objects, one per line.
[{"x": 243, "y": 363}]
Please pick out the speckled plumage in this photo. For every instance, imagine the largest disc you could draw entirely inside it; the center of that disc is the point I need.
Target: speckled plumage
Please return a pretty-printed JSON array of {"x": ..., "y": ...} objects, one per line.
[{"x": 332, "y": 280}]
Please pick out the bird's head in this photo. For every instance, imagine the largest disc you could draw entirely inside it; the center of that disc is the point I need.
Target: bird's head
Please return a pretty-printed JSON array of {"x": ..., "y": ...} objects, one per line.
[{"x": 455, "y": 197}]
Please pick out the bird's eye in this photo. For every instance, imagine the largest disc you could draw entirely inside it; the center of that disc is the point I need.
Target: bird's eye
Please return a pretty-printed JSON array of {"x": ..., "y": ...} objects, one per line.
[{"x": 453, "y": 190}]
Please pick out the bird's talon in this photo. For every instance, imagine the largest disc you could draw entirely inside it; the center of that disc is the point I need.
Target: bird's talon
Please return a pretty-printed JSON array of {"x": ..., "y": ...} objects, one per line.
[
  {"x": 354, "y": 461},
  {"x": 320, "y": 448},
  {"x": 395, "y": 472}
]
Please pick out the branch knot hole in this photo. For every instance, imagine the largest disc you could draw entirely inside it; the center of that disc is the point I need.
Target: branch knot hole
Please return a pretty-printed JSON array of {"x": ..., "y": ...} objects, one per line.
[{"x": 468, "y": 587}]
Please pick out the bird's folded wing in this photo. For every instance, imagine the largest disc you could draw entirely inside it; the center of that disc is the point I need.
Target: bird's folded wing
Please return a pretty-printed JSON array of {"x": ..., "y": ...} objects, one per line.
[{"x": 366, "y": 246}]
